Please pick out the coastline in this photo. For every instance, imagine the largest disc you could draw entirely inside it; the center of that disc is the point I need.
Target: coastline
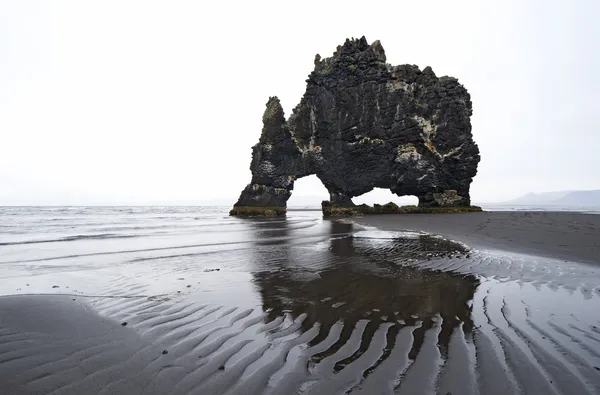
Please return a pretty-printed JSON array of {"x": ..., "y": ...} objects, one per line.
[{"x": 560, "y": 235}]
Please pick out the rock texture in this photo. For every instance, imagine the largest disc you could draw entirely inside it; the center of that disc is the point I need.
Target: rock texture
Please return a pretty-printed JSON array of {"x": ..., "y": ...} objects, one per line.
[{"x": 365, "y": 124}]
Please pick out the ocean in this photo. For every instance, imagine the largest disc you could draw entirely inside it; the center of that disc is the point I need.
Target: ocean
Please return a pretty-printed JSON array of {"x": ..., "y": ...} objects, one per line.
[{"x": 304, "y": 304}]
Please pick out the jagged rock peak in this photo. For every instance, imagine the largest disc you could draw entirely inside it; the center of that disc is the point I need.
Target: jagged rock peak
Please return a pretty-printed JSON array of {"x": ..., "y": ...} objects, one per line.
[{"x": 354, "y": 51}]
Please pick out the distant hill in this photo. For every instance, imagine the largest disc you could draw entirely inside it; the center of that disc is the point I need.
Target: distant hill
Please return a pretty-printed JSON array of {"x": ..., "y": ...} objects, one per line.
[
  {"x": 562, "y": 198},
  {"x": 584, "y": 198}
]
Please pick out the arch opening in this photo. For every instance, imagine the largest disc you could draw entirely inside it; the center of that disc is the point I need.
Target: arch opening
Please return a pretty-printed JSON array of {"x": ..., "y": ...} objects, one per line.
[
  {"x": 308, "y": 192},
  {"x": 382, "y": 196}
]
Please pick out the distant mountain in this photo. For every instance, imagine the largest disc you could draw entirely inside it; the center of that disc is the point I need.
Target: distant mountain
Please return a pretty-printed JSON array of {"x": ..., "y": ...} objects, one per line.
[
  {"x": 539, "y": 198},
  {"x": 583, "y": 198},
  {"x": 562, "y": 198}
]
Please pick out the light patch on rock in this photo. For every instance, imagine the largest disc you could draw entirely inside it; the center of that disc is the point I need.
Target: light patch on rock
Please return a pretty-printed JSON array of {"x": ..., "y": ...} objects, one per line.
[
  {"x": 447, "y": 198},
  {"x": 283, "y": 181},
  {"x": 429, "y": 129},
  {"x": 266, "y": 168},
  {"x": 315, "y": 155},
  {"x": 407, "y": 153},
  {"x": 397, "y": 114},
  {"x": 453, "y": 152},
  {"x": 397, "y": 85},
  {"x": 428, "y": 126},
  {"x": 366, "y": 140}
]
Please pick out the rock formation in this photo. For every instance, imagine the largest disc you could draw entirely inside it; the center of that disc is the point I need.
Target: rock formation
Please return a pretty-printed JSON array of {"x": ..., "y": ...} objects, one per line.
[{"x": 364, "y": 124}]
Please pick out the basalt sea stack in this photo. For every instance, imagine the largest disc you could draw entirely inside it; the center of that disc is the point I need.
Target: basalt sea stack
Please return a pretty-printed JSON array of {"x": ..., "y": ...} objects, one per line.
[{"x": 365, "y": 124}]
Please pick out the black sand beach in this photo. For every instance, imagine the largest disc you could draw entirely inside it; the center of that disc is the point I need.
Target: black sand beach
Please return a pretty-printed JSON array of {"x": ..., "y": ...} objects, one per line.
[
  {"x": 298, "y": 304},
  {"x": 558, "y": 235},
  {"x": 51, "y": 342}
]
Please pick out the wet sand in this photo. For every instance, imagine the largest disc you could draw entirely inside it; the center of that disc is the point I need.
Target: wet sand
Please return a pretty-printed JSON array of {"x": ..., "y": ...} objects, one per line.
[
  {"x": 53, "y": 342},
  {"x": 560, "y": 235},
  {"x": 298, "y": 305}
]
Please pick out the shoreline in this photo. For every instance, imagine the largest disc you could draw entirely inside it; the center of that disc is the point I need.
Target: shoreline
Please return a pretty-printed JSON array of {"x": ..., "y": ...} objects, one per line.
[{"x": 560, "y": 235}]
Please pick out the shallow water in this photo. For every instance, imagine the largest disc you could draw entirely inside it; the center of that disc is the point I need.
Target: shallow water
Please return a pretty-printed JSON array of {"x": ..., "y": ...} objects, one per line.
[{"x": 307, "y": 305}]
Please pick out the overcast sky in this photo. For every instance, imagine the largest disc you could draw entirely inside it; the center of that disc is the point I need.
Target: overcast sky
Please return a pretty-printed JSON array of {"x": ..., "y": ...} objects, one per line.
[{"x": 160, "y": 101}]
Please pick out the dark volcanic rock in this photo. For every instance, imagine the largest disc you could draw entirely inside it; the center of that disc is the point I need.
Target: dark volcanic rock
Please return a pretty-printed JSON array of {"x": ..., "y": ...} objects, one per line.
[{"x": 363, "y": 123}]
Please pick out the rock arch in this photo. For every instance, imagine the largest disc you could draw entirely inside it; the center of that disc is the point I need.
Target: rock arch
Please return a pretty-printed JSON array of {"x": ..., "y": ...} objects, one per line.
[{"x": 365, "y": 124}]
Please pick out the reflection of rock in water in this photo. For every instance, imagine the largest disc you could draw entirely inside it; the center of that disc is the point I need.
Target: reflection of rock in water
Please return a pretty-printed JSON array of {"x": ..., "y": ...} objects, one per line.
[
  {"x": 270, "y": 232},
  {"x": 364, "y": 280}
]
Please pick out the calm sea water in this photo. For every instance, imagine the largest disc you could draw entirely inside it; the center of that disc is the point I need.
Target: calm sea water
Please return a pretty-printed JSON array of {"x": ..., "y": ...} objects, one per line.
[{"x": 311, "y": 305}]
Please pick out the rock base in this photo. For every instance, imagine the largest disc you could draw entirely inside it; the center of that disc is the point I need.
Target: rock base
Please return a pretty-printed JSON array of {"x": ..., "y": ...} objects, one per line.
[
  {"x": 335, "y": 210},
  {"x": 257, "y": 211}
]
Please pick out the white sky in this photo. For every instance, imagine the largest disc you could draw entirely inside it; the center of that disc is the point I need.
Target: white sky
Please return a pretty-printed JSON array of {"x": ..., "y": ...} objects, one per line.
[{"x": 108, "y": 102}]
